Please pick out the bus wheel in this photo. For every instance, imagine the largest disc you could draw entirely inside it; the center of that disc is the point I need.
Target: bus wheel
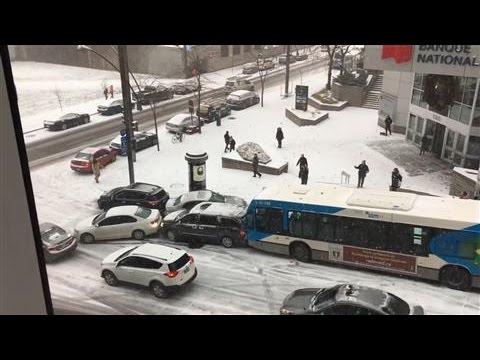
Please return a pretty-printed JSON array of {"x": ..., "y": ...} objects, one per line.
[
  {"x": 455, "y": 277},
  {"x": 301, "y": 252}
]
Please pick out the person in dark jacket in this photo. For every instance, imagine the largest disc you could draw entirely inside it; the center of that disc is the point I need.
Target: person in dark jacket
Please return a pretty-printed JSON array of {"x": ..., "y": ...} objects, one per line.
[
  {"x": 302, "y": 161},
  {"x": 396, "y": 180},
  {"x": 105, "y": 92},
  {"x": 304, "y": 174},
  {"x": 362, "y": 172},
  {"x": 232, "y": 143},
  {"x": 388, "y": 125},
  {"x": 425, "y": 144},
  {"x": 279, "y": 136},
  {"x": 255, "y": 166},
  {"x": 227, "y": 140}
]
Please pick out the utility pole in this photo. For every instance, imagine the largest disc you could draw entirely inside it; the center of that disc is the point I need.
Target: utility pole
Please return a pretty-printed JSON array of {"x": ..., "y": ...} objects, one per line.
[
  {"x": 287, "y": 71},
  {"x": 127, "y": 107},
  {"x": 185, "y": 61}
]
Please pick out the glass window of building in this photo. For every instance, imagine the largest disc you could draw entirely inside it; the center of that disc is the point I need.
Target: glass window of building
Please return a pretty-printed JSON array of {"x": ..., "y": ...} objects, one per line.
[
  {"x": 460, "y": 143},
  {"x": 450, "y": 138},
  {"x": 465, "y": 114},
  {"x": 473, "y": 147},
  {"x": 417, "y": 82},
  {"x": 469, "y": 93},
  {"x": 411, "y": 127},
  {"x": 420, "y": 122},
  {"x": 236, "y": 49}
]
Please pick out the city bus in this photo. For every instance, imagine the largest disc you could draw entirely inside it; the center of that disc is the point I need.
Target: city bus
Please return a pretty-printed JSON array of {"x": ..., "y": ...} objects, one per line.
[{"x": 436, "y": 238}]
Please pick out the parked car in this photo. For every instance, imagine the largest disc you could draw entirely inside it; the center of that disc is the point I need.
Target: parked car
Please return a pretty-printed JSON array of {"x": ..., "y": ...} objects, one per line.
[
  {"x": 143, "y": 140},
  {"x": 251, "y": 68},
  {"x": 185, "y": 87},
  {"x": 346, "y": 299},
  {"x": 180, "y": 122},
  {"x": 56, "y": 242},
  {"x": 301, "y": 57},
  {"x": 190, "y": 199},
  {"x": 112, "y": 108},
  {"x": 120, "y": 222},
  {"x": 169, "y": 219},
  {"x": 161, "y": 268},
  {"x": 282, "y": 59},
  {"x": 235, "y": 83},
  {"x": 153, "y": 93},
  {"x": 209, "y": 109},
  {"x": 66, "y": 121},
  {"x": 82, "y": 162},
  {"x": 266, "y": 65},
  {"x": 242, "y": 99},
  {"x": 141, "y": 194},
  {"x": 210, "y": 222}
]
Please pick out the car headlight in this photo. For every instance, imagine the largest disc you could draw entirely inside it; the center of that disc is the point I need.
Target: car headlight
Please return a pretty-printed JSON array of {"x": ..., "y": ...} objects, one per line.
[{"x": 284, "y": 311}]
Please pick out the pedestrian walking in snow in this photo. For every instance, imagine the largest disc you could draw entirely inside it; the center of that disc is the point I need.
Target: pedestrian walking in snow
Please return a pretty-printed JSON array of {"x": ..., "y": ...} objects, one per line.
[
  {"x": 304, "y": 174},
  {"x": 302, "y": 161},
  {"x": 424, "y": 146},
  {"x": 232, "y": 144},
  {"x": 279, "y": 136},
  {"x": 111, "y": 91},
  {"x": 226, "y": 137},
  {"x": 255, "y": 166},
  {"x": 105, "y": 92},
  {"x": 388, "y": 125},
  {"x": 362, "y": 172},
  {"x": 96, "y": 166},
  {"x": 396, "y": 180}
]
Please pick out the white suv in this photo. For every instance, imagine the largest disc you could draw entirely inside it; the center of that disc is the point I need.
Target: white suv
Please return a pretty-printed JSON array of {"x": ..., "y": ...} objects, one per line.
[{"x": 159, "y": 267}]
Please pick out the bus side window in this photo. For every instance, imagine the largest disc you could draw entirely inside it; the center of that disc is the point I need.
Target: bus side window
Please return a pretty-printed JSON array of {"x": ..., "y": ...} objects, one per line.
[
  {"x": 260, "y": 219},
  {"x": 326, "y": 227},
  {"x": 401, "y": 239},
  {"x": 295, "y": 223},
  {"x": 249, "y": 220},
  {"x": 275, "y": 217},
  {"x": 309, "y": 224}
]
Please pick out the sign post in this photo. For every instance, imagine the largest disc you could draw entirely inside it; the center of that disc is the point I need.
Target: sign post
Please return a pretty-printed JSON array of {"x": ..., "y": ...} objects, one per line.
[{"x": 301, "y": 97}]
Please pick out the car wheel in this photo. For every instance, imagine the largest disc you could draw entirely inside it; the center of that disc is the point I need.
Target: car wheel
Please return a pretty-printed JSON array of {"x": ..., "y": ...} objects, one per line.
[
  {"x": 87, "y": 238},
  {"x": 158, "y": 290},
  {"x": 64, "y": 126},
  {"x": 455, "y": 277},
  {"x": 138, "y": 235},
  {"x": 110, "y": 278},
  {"x": 301, "y": 252},
  {"x": 171, "y": 235},
  {"x": 227, "y": 241}
]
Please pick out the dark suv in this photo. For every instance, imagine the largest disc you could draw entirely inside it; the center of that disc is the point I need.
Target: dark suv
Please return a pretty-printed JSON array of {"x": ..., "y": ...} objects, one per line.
[
  {"x": 210, "y": 110},
  {"x": 142, "y": 194},
  {"x": 153, "y": 94},
  {"x": 208, "y": 222}
]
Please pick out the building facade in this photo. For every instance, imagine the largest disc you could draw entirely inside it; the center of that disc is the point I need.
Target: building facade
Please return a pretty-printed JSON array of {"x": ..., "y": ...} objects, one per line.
[{"x": 432, "y": 90}]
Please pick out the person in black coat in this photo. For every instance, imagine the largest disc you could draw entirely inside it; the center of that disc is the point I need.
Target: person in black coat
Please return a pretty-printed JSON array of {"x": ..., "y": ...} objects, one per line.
[
  {"x": 227, "y": 140},
  {"x": 302, "y": 161},
  {"x": 362, "y": 172},
  {"x": 232, "y": 143},
  {"x": 255, "y": 166},
  {"x": 396, "y": 180},
  {"x": 388, "y": 125},
  {"x": 279, "y": 136},
  {"x": 425, "y": 143},
  {"x": 304, "y": 174}
]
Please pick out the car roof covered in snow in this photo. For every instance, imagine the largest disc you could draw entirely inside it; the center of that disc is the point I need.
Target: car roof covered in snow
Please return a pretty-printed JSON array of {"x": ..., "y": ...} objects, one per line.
[
  {"x": 218, "y": 209},
  {"x": 159, "y": 251}
]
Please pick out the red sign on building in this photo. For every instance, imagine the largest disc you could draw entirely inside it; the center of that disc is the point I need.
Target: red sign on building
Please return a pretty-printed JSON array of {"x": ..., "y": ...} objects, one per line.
[{"x": 400, "y": 53}]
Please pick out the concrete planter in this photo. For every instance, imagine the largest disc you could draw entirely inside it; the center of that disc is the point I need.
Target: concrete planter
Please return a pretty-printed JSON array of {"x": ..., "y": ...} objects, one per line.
[
  {"x": 352, "y": 94},
  {"x": 317, "y": 104},
  {"x": 305, "y": 118},
  {"x": 234, "y": 161}
]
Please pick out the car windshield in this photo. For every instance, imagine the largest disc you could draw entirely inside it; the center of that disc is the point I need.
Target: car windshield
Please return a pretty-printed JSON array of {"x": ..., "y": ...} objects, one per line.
[
  {"x": 52, "y": 233},
  {"x": 216, "y": 197},
  {"x": 68, "y": 116},
  {"x": 143, "y": 212},
  {"x": 177, "y": 200},
  {"x": 395, "y": 306},
  {"x": 83, "y": 156},
  {"x": 149, "y": 88},
  {"x": 179, "y": 263},
  {"x": 234, "y": 97},
  {"x": 230, "y": 83},
  {"x": 323, "y": 295},
  {"x": 125, "y": 254},
  {"x": 98, "y": 218}
]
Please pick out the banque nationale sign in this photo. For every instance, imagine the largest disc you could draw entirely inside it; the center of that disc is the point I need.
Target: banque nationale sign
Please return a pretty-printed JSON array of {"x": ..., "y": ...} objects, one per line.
[{"x": 458, "y": 60}]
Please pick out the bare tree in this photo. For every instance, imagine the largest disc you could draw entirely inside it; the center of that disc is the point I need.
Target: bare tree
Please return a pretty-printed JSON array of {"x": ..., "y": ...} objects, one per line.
[
  {"x": 331, "y": 50},
  {"x": 343, "y": 51},
  {"x": 59, "y": 96}
]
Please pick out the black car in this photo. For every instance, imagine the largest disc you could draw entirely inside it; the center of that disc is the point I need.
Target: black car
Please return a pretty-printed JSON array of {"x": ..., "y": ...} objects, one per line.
[
  {"x": 142, "y": 194},
  {"x": 346, "y": 299},
  {"x": 67, "y": 121},
  {"x": 56, "y": 242},
  {"x": 209, "y": 110},
  {"x": 115, "y": 107},
  {"x": 143, "y": 140},
  {"x": 153, "y": 93},
  {"x": 282, "y": 59},
  {"x": 185, "y": 87},
  {"x": 301, "y": 57}
]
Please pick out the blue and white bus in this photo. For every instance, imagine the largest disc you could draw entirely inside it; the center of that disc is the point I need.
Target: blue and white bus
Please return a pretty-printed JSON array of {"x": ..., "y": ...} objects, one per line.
[{"x": 435, "y": 238}]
